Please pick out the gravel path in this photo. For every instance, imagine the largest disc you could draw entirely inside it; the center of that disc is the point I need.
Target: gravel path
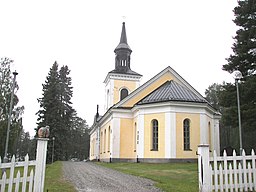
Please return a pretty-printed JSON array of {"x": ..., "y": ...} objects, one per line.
[{"x": 87, "y": 176}]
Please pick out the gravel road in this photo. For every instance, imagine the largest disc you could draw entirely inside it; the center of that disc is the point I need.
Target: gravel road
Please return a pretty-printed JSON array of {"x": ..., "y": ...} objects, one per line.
[{"x": 87, "y": 176}]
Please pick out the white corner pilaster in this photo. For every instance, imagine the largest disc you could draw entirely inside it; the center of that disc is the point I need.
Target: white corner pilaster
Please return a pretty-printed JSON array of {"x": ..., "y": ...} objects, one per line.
[
  {"x": 115, "y": 144},
  {"x": 168, "y": 135},
  {"x": 172, "y": 134},
  {"x": 203, "y": 129},
  {"x": 216, "y": 139}
]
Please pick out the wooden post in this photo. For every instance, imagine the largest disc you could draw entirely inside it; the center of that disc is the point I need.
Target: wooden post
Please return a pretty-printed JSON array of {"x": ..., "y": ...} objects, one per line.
[
  {"x": 204, "y": 168},
  {"x": 40, "y": 164}
]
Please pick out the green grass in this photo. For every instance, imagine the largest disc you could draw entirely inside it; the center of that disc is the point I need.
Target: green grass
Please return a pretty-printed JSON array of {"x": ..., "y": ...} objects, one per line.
[
  {"x": 20, "y": 169},
  {"x": 54, "y": 179},
  {"x": 168, "y": 177},
  {"x": 16, "y": 170}
]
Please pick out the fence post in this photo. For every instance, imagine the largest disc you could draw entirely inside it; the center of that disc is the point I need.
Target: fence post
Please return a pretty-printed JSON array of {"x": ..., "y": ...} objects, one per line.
[
  {"x": 204, "y": 168},
  {"x": 40, "y": 164}
]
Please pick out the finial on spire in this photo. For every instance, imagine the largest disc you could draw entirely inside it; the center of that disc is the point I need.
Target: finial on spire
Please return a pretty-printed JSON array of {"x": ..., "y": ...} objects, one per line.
[{"x": 124, "y": 18}]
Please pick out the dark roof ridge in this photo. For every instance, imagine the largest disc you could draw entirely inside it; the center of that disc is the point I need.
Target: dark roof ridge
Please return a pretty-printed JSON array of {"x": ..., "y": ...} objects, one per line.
[{"x": 171, "y": 91}]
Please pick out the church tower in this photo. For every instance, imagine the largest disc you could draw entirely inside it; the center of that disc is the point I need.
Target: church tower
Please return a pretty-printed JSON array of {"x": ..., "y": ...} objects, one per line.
[{"x": 121, "y": 81}]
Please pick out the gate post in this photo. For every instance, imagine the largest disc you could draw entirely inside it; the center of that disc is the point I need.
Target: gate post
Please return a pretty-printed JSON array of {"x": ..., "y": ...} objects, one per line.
[
  {"x": 204, "y": 168},
  {"x": 40, "y": 164}
]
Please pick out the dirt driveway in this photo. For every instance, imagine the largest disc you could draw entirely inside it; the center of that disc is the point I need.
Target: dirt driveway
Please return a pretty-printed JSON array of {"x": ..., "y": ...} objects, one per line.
[{"x": 87, "y": 176}]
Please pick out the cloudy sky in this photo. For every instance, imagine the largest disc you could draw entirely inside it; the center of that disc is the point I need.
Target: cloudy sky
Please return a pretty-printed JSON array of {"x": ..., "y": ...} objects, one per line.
[{"x": 193, "y": 37}]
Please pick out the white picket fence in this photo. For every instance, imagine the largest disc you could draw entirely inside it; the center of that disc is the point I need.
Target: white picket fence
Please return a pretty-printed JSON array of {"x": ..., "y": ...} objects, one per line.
[
  {"x": 32, "y": 181},
  {"x": 226, "y": 173}
]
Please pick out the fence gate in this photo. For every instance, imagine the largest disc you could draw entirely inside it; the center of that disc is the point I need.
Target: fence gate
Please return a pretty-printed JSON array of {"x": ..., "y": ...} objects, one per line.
[
  {"x": 226, "y": 173},
  {"x": 32, "y": 181}
]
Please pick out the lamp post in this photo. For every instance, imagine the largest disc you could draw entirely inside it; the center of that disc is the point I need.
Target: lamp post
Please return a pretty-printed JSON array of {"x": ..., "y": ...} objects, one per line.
[
  {"x": 238, "y": 75},
  {"x": 9, "y": 117},
  {"x": 53, "y": 139}
]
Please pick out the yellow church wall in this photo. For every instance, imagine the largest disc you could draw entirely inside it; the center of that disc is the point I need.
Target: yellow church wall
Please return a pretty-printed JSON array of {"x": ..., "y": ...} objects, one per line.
[
  {"x": 148, "y": 153},
  {"x": 126, "y": 138},
  {"x": 118, "y": 84},
  {"x": 149, "y": 89},
  {"x": 105, "y": 141},
  {"x": 194, "y": 135}
]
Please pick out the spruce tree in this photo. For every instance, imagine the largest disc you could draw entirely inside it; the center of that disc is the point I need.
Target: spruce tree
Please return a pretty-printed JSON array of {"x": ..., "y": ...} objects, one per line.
[
  {"x": 67, "y": 112},
  {"x": 57, "y": 112},
  {"x": 50, "y": 109}
]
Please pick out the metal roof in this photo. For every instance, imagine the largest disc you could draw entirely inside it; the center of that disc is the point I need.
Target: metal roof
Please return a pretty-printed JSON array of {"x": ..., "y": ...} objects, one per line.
[
  {"x": 172, "y": 91},
  {"x": 129, "y": 71}
]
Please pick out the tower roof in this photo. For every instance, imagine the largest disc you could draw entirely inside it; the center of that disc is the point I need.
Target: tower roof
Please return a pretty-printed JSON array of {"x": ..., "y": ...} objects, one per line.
[
  {"x": 123, "y": 40},
  {"x": 122, "y": 59}
]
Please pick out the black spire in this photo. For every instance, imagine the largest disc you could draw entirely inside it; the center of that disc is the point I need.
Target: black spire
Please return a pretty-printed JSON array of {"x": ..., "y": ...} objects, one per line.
[
  {"x": 123, "y": 40},
  {"x": 96, "y": 117},
  {"x": 123, "y": 52}
]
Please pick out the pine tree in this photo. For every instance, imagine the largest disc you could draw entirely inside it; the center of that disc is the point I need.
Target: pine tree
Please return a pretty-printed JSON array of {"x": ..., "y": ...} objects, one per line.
[
  {"x": 6, "y": 83},
  {"x": 244, "y": 48},
  {"x": 244, "y": 60}
]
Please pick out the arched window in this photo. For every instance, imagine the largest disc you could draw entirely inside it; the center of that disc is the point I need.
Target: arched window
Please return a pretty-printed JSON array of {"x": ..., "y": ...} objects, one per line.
[
  {"x": 123, "y": 94},
  {"x": 101, "y": 142},
  {"x": 109, "y": 139},
  {"x": 105, "y": 141},
  {"x": 154, "y": 135},
  {"x": 186, "y": 134}
]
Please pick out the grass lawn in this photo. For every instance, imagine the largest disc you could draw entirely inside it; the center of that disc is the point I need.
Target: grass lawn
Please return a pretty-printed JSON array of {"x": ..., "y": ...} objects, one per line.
[
  {"x": 16, "y": 170},
  {"x": 168, "y": 177},
  {"x": 54, "y": 180}
]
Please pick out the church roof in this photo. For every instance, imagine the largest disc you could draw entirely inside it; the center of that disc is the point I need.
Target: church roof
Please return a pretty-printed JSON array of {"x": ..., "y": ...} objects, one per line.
[
  {"x": 129, "y": 72},
  {"x": 172, "y": 91}
]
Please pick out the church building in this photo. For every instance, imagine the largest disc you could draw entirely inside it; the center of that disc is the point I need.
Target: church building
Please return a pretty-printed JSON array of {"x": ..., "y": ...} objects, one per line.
[{"x": 162, "y": 120}]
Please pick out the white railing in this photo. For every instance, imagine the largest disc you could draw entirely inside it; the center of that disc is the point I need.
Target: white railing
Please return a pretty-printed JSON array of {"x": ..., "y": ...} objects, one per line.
[
  {"x": 226, "y": 173},
  {"x": 32, "y": 181}
]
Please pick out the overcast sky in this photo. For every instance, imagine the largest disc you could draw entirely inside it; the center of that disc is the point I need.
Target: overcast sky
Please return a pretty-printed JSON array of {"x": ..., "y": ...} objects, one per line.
[{"x": 193, "y": 37}]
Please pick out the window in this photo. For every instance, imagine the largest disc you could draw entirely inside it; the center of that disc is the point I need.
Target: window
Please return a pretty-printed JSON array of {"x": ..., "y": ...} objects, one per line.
[
  {"x": 138, "y": 137},
  {"x": 135, "y": 136},
  {"x": 154, "y": 135},
  {"x": 186, "y": 132},
  {"x": 105, "y": 141},
  {"x": 101, "y": 142},
  {"x": 124, "y": 93},
  {"x": 109, "y": 139}
]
